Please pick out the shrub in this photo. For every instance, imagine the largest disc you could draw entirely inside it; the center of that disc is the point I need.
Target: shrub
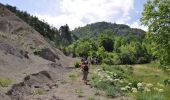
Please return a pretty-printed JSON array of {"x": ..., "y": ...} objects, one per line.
[
  {"x": 134, "y": 84},
  {"x": 111, "y": 59},
  {"x": 100, "y": 84},
  {"x": 4, "y": 82},
  {"x": 167, "y": 81},
  {"x": 111, "y": 91},
  {"x": 142, "y": 60},
  {"x": 77, "y": 65},
  {"x": 108, "y": 61}
]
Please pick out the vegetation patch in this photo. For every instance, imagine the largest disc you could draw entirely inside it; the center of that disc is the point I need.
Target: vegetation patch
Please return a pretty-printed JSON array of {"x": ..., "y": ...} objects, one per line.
[
  {"x": 38, "y": 91},
  {"x": 134, "y": 81},
  {"x": 91, "y": 98},
  {"x": 5, "y": 82},
  {"x": 72, "y": 77},
  {"x": 77, "y": 65},
  {"x": 79, "y": 92}
]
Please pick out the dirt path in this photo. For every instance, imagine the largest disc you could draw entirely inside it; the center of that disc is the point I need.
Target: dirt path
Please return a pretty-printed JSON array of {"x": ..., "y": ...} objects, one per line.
[
  {"x": 75, "y": 89},
  {"x": 55, "y": 82}
]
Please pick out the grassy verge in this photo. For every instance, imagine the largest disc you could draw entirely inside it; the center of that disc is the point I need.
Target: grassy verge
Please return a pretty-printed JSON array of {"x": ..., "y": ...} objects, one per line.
[{"x": 138, "y": 81}]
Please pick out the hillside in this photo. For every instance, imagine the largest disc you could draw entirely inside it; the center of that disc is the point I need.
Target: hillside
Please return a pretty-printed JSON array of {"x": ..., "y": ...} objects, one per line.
[
  {"x": 95, "y": 29},
  {"x": 57, "y": 36},
  {"x": 24, "y": 53}
]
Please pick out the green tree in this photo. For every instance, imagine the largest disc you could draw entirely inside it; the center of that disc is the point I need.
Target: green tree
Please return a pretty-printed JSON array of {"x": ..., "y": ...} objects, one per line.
[
  {"x": 156, "y": 16},
  {"x": 106, "y": 40}
]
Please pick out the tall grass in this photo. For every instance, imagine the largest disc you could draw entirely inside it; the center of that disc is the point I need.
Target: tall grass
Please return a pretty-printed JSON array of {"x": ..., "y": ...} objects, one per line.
[{"x": 150, "y": 96}]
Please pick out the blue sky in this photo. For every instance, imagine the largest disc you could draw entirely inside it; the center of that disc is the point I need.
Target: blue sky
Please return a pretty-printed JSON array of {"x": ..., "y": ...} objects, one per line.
[{"x": 77, "y": 13}]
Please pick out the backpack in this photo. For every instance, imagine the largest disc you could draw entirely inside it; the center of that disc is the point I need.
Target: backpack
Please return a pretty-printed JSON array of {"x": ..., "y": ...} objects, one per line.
[{"x": 85, "y": 68}]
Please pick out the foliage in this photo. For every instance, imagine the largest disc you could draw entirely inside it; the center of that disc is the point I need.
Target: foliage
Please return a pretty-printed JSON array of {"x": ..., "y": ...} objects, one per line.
[
  {"x": 5, "y": 82},
  {"x": 65, "y": 34},
  {"x": 156, "y": 17},
  {"x": 167, "y": 81},
  {"x": 95, "y": 29},
  {"x": 132, "y": 80},
  {"x": 111, "y": 49},
  {"x": 111, "y": 91},
  {"x": 77, "y": 65}
]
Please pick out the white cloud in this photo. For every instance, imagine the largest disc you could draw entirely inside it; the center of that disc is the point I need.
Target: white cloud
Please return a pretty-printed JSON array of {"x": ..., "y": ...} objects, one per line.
[
  {"x": 80, "y": 12},
  {"x": 137, "y": 24}
]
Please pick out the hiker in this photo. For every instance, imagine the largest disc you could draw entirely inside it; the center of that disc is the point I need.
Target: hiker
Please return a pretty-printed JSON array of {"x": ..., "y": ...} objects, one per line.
[{"x": 85, "y": 69}]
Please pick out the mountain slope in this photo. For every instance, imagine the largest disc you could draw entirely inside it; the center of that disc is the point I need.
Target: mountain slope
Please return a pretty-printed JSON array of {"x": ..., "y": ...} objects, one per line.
[
  {"x": 95, "y": 29},
  {"x": 50, "y": 32},
  {"x": 14, "y": 29},
  {"x": 25, "y": 53}
]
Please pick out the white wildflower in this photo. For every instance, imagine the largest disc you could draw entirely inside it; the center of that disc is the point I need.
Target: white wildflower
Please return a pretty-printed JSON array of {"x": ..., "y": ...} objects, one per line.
[
  {"x": 147, "y": 89},
  {"x": 115, "y": 74},
  {"x": 123, "y": 89},
  {"x": 129, "y": 84},
  {"x": 134, "y": 90},
  {"x": 110, "y": 79},
  {"x": 117, "y": 79},
  {"x": 160, "y": 90},
  {"x": 160, "y": 85},
  {"x": 156, "y": 89},
  {"x": 127, "y": 87},
  {"x": 149, "y": 85},
  {"x": 139, "y": 84}
]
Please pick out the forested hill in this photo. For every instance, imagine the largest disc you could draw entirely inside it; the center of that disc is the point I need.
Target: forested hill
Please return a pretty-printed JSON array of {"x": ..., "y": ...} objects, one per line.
[{"x": 93, "y": 30}]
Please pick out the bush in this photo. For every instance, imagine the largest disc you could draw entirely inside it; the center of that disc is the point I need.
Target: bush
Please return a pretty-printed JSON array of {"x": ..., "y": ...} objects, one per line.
[
  {"x": 111, "y": 59},
  {"x": 77, "y": 65},
  {"x": 134, "y": 84},
  {"x": 108, "y": 61},
  {"x": 167, "y": 81},
  {"x": 100, "y": 84},
  {"x": 4, "y": 82},
  {"x": 111, "y": 91},
  {"x": 142, "y": 60}
]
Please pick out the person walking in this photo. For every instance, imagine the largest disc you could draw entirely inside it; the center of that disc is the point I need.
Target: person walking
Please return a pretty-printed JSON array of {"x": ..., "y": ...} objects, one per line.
[{"x": 85, "y": 69}]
